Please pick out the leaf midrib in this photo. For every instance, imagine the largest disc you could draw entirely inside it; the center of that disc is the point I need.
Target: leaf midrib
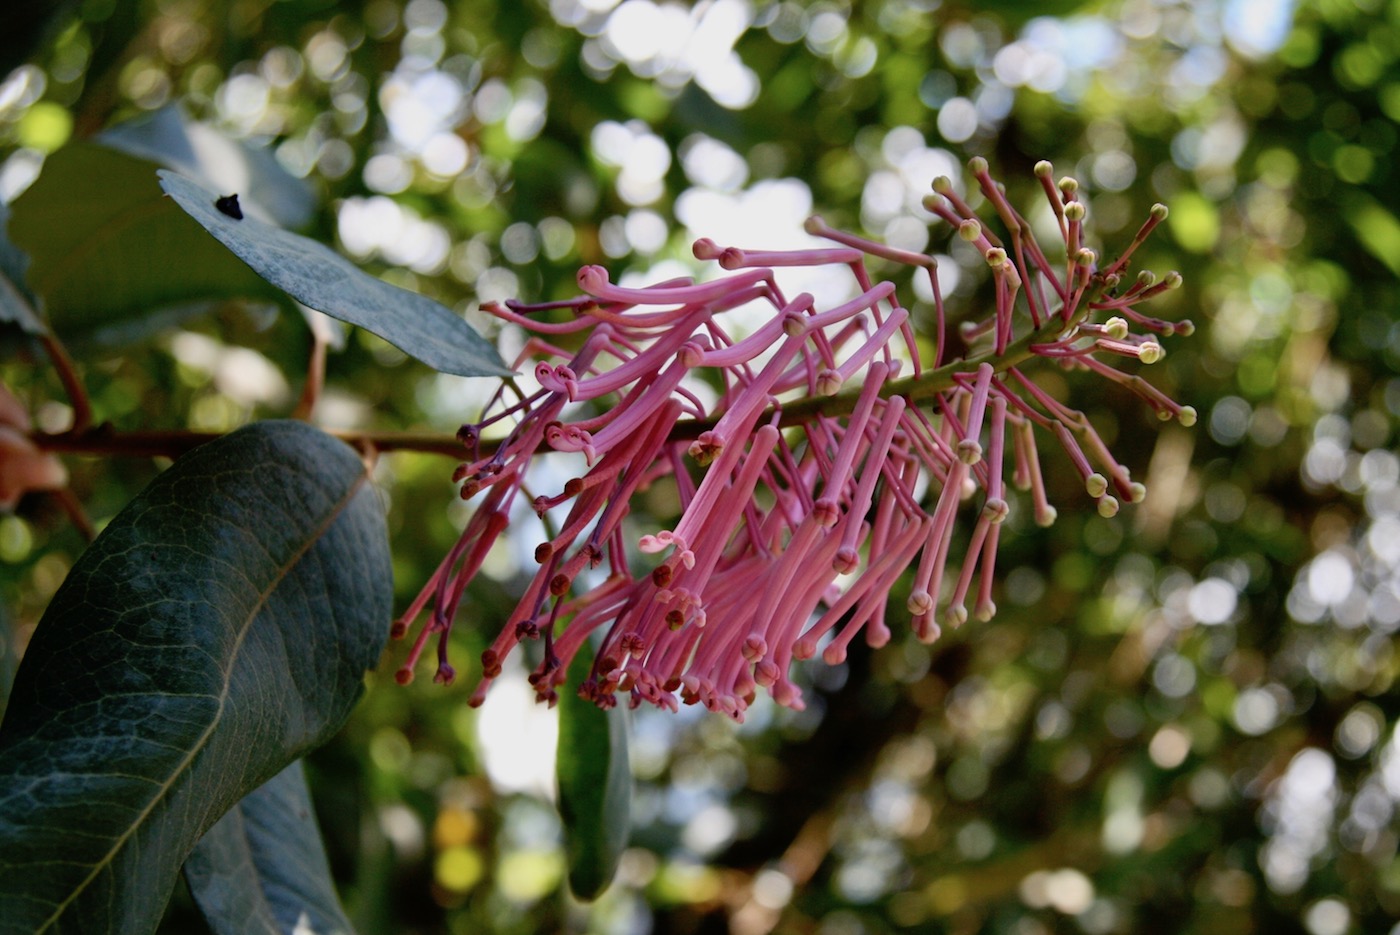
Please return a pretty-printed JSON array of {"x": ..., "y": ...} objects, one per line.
[{"x": 182, "y": 768}]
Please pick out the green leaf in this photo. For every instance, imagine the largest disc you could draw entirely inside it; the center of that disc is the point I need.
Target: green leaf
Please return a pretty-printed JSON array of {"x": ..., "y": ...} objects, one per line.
[
  {"x": 262, "y": 866},
  {"x": 218, "y": 629},
  {"x": 107, "y": 249},
  {"x": 198, "y": 151},
  {"x": 16, "y": 301},
  {"x": 595, "y": 785},
  {"x": 316, "y": 276},
  {"x": 1377, "y": 229}
]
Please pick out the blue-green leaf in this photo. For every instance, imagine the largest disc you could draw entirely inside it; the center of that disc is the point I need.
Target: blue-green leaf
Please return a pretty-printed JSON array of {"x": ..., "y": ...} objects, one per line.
[
  {"x": 110, "y": 253},
  {"x": 595, "y": 785},
  {"x": 317, "y": 276},
  {"x": 198, "y": 151},
  {"x": 263, "y": 868},
  {"x": 218, "y": 629}
]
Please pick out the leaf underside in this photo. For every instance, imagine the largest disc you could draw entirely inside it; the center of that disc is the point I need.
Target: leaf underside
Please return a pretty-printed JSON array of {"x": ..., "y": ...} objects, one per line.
[
  {"x": 262, "y": 866},
  {"x": 317, "y": 276},
  {"x": 218, "y": 629}
]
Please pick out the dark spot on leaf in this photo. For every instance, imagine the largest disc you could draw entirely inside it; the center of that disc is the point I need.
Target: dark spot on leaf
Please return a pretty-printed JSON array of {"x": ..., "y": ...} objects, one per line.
[{"x": 228, "y": 204}]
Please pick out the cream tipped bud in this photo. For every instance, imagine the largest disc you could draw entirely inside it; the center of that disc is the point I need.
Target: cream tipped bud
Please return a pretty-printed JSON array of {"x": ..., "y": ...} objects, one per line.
[
  {"x": 1045, "y": 516},
  {"x": 970, "y": 230},
  {"x": 985, "y": 610},
  {"x": 1096, "y": 485},
  {"x": 996, "y": 510},
  {"x": 977, "y": 165},
  {"x": 969, "y": 451},
  {"x": 1159, "y": 212},
  {"x": 1116, "y": 328},
  {"x": 920, "y": 602},
  {"x": 1075, "y": 211},
  {"x": 932, "y": 202},
  {"x": 814, "y": 225},
  {"x": 1043, "y": 169},
  {"x": 1146, "y": 278},
  {"x": 942, "y": 184},
  {"x": 828, "y": 383},
  {"x": 955, "y": 616},
  {"x": 1187, "y": 416},
  {"x": 1172, "y": 280},
  {"x": 1086, "y": 257},
  {"x": 995, "y": 257},
  {"x": 1149, "y": 352},
  {"x": 1186, "y": 328},
  {"x": 1069, "y": 184},
  {"x": 1108, "y": 507},
  {"x": 1137, "y": 492}
]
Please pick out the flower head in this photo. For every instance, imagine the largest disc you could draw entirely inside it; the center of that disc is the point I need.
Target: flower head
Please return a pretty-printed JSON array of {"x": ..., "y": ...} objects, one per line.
[{"x": 836, "y": 455}]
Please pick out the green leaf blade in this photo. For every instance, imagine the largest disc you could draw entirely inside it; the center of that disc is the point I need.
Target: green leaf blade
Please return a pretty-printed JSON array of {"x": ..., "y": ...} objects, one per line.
[
  {"x": 218, "y": 629},
  {"x": 104, "y": 242},
  {"x": 320, "y": 278},
  {"x": 595, "y": 786},
  {"x": 262, "y": 866}
]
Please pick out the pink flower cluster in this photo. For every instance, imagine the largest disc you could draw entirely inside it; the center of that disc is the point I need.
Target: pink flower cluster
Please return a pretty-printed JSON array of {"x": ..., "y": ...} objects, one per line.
[{"x": 837, "y": 453}]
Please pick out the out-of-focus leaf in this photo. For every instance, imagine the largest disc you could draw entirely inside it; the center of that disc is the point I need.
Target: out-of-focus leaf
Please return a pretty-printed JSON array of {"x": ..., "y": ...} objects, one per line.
[
  {"x": 217, "y": 630},
  {"x": 107, "y": 249},
  {"x": 595, "y": 785},
  {"x": 28, "y": 23},
  {"x": 16, "y": 301},
  {"x": 1378, "y": 230},
  {"x": 317, "y": 276},
  {"x": 263, "y": 867},
  {"x": 200, "y": 152}
]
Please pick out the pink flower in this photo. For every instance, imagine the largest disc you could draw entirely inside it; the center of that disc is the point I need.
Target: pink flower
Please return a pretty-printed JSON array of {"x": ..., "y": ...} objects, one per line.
[{"x": 835, "y": 457}]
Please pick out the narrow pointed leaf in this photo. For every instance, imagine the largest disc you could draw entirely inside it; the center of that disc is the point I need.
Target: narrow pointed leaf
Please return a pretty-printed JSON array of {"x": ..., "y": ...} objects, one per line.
[
  {"x": 317, "y": 276},
  {"x": 595, "y": 786},
  {"x": 262, "y": 867},
  {"x": 218, "y": 629}
]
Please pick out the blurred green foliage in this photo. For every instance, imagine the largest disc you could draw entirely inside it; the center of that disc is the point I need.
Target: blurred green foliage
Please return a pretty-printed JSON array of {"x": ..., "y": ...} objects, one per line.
[{"x": 1182, "y": 720}]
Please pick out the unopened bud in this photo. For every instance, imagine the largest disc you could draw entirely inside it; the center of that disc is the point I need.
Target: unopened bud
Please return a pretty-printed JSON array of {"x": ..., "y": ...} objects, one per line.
[
  {"x": 1116, "y": 328},
  {"x": 1075, "y": 211},
  {"x": 942, "y": 184},
  {"x": 1150, "y": 352},
  {"x": 1096, "y": 485},
  {"x": 1187, "y": 416},
  {"x": 970, "y": 230},
  {"x": 1108, "y": 507},
  {"x": 1043, "y": 169},
  {"x": 1159, "y": 212},
  {"x": 977, "y": 165}
]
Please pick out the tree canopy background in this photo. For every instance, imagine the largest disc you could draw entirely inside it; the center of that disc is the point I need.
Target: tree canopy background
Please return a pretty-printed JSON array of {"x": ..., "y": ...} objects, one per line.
[{"x": 1183, "y": 720}]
